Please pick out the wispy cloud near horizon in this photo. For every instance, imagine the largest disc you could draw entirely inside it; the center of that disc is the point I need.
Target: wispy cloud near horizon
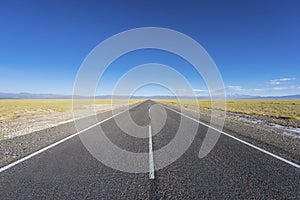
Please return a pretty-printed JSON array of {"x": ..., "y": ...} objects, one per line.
[
  {"x": 280, "y": 81},
  {"x": 235, "y": 87},
  {"x": 200, "y": 90}
]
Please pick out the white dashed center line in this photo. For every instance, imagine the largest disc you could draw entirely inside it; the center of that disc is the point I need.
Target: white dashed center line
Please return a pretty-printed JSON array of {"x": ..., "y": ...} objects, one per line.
[{"x": 151, "y": 161}]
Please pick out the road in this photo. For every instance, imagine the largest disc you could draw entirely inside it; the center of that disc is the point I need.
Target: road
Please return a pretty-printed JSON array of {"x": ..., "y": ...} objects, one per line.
[{"x": 232, "y": 170}]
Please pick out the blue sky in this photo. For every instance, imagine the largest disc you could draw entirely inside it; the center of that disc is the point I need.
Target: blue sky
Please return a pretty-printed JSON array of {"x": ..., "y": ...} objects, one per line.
[{"x": 255, "y": 44}]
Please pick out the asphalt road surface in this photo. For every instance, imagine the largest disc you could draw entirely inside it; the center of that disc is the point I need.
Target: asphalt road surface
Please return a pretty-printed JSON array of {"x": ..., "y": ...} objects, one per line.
[{"x": 232, "y": 170}]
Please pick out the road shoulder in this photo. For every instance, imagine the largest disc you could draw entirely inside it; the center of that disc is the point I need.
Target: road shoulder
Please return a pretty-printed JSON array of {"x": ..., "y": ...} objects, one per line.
[{"x": 285, "y": 146}]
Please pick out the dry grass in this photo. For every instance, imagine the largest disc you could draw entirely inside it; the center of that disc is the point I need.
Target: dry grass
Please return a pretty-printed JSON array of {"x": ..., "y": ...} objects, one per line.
[
  {"x": 13, "y": 109},
  {"x": 287, "y": 109}
]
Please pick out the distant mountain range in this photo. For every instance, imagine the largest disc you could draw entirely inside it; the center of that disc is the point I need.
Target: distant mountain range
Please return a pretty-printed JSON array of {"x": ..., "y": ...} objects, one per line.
[
  {"x": 239, "y": 96},
  {"x": 24, "y": 95}
]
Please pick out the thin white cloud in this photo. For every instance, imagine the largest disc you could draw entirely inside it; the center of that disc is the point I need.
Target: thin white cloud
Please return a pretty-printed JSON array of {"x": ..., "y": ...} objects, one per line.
[
  {"x": 235, "y": 87},
  {"x": 279, "y": 88},
  {"x": 280, "y": 81},
  {"x": 284, "y": 88},
  {"x": 257, "y": 89},
  {"x": 273, "y": 82},
  {"x": 287, "y": 79},
  {"x": 199, "y": 90}
]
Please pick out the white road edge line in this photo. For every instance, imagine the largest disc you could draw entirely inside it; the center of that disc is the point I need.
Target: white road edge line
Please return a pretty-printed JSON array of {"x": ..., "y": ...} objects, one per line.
[
  {"x": 235, "y": 138},
  {"x": 151, "y": 161},
  {"x": 60, "y": 141}
]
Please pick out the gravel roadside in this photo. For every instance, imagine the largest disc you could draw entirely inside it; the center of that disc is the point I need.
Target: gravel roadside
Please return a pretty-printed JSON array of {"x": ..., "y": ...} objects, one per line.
[{"x": 17, "y": 147}]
